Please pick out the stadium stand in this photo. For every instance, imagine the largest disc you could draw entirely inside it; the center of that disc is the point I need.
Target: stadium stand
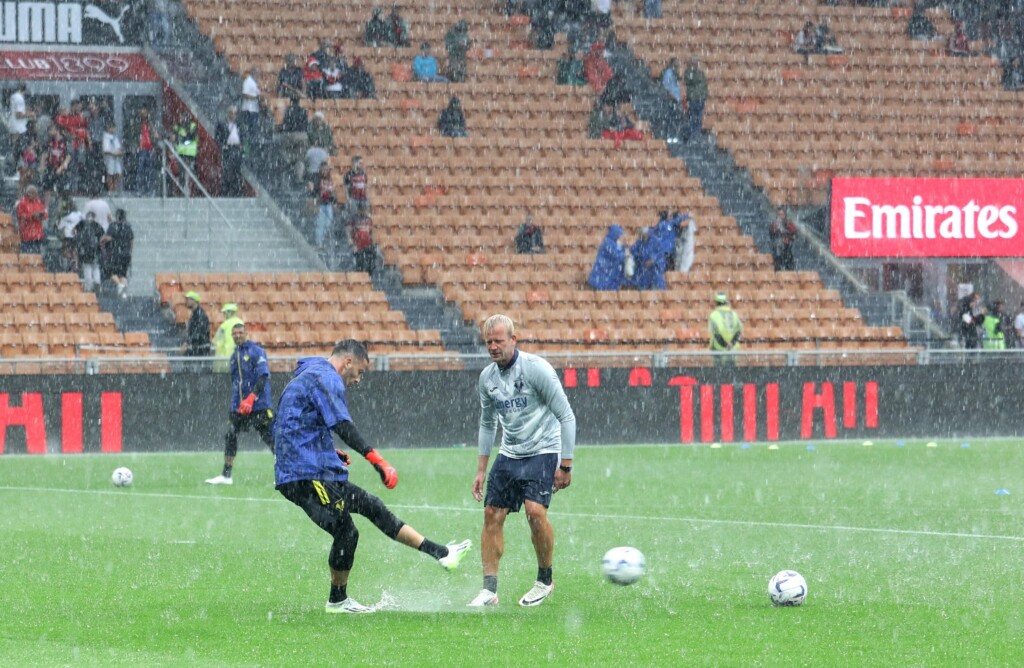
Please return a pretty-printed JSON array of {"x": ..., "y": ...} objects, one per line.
[{"x": 445, "y": 210}]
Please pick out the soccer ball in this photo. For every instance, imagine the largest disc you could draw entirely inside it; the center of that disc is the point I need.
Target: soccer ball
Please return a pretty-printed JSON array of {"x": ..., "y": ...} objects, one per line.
[
  {"x": 787, "y": 588},
  {"x": 623, "y": 565},
  {"x": 122, "y": 477}
]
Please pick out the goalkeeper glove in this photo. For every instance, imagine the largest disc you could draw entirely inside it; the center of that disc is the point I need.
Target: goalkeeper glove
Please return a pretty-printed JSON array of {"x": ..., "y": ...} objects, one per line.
[
  {"x": 388, "y": 474},
  {"x": 245, "y": 405},
  {"x": 343, "y": 456}
]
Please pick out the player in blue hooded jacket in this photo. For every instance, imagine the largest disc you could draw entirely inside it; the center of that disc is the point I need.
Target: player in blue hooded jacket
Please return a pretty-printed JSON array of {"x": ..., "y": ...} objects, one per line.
[
  {"x": 310, "y": 473},
  {"x": 250, "y": 399}
]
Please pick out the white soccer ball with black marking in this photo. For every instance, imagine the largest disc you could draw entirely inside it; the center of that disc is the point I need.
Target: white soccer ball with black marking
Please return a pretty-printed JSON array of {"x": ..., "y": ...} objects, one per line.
[
  {"x": 787, "y": 588},
  {"x": 122, "y": 477},
  {"x": 624, "y": 565}
]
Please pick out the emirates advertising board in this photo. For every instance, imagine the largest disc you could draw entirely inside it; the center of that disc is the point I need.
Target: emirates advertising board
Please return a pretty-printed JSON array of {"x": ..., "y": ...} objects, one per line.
[{"x": 910, "y": 217}]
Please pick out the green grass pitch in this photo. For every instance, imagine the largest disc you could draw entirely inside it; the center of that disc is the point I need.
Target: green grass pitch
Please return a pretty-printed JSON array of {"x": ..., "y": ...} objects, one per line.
[{"x": 911, "y": 559}]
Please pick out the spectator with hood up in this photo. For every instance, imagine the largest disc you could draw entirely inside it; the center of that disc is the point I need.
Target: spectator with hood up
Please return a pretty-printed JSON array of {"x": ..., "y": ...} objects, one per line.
[{"x": 609, "y": 268}]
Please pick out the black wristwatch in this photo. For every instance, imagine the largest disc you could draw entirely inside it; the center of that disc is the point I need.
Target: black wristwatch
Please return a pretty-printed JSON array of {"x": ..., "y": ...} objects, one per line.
[{"x": 567, "y": 469}]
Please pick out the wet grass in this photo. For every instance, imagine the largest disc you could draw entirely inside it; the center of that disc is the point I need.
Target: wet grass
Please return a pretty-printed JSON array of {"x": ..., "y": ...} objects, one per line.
[{"x": 910, "y": 556}]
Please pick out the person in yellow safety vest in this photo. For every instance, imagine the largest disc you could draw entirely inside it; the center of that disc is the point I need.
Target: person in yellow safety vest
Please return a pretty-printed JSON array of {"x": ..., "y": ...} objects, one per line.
[
  {"x": 223, "y": 343},
  {"x": 186, "y": 140},
  {"x": 995, "y": 339},
  {"x": 725, "y": 328}
]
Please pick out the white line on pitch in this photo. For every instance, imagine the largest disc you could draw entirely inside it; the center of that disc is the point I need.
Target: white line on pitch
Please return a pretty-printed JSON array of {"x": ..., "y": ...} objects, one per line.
[{"x": 599, "y": 516}]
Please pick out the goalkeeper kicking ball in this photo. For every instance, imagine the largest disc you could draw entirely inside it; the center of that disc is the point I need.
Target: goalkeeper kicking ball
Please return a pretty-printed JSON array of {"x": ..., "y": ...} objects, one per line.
[
  {"x": 122, "y": 477},
  {"x": 623, "y": 565},
  {"x": 787, "y": 588}
]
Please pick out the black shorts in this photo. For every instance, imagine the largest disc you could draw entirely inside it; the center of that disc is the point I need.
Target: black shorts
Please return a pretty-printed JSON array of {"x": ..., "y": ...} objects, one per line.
[
  {"x": 512, "y": 481},
  {"x": 255, "y": 420},
  {"x": 330, "y": 504}
]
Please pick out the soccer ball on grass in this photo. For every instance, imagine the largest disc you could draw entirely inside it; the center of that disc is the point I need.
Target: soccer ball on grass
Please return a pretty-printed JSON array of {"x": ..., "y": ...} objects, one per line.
[
  {"x": 122, "y": 477},
  {"x": 623, "y": 565},
  {"x": 787, "y": 588}
]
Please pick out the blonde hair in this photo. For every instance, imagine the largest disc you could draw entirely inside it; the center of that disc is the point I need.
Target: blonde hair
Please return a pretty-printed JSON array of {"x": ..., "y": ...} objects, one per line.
[{"x": 499, "y": 319}]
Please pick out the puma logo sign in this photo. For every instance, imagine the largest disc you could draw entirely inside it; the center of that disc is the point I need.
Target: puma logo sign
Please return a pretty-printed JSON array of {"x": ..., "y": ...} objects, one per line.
[{"x": 94, "y": 12}]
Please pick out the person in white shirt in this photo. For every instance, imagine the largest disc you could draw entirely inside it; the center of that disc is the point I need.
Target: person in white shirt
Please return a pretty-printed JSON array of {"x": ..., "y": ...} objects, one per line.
[
  {"x": 230, "y": 135},
  {"x": 251, "y": 93},
  {"x": 113, "y": 157},
  {"x": 99, "y": 207},
  {"x": 17, "y": 121}
]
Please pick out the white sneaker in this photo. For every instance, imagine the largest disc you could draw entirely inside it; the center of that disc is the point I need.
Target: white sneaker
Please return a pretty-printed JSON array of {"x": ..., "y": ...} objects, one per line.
[
  {"x": 485, "y": 598},
  {"x": 536, "y": 595},
  {"x": 456, "y": 551},
  {"x": 348, "y": 605},
  {"x": 220, "y": 480}
]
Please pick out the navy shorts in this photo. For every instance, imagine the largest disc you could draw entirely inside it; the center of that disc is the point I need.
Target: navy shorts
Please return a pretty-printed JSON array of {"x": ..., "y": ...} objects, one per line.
[{"x": 513, "y": 481}]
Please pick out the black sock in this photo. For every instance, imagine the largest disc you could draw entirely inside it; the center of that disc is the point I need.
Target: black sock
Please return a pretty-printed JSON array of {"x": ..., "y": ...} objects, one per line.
[
  {"x": 544, "y": 575},
  {"x": 227, "y": 471},
  {"x": 433, "y": 549},
  {"x": 338, "y": 593},
  {"x": 491, "y": 583}
]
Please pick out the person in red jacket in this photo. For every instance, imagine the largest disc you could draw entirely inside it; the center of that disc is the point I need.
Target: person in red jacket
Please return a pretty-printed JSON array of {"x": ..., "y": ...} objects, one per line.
[
  {"x": 596, "y": 68},
  {"x": 31, "y": 214}
]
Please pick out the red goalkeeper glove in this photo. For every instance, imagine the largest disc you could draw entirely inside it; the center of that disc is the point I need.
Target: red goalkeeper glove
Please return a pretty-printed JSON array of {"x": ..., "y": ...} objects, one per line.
[
  {"x": 343, "y": 456},
  {"x": 245, "y": 405},
  {"x": 388, "y": 474}
]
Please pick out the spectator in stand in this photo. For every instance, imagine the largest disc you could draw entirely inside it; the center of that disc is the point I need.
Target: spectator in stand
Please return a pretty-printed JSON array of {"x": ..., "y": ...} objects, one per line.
[
  {"x": 99, "y": 115},
  {"x": 229, "y": 136},
  {"x": 621, "y": 128},
  {"x": 292, "y": 138},
  {"x": 75, "y": 127},
  {"x": 529, "y": 238},
  {"x": 452, "y": 122},
  {"x": 596, "y": 68},
  {"x": 313, "y": 77},
  {"x": 356, "y": 183},
  {"x": 600, "y": 119},
  {"x": 920, "y": 26},
  {"x": 649, "y": 258},
  {"x": 290, "y": 80},
  {"x": 334, "y": 71},
  {"x": 320, "y": 133},
  {"x": 197, "y": 329},
  {"x": 99, "y": 208},
  {"x": 251, "y": 95},
  {"x": 119, "y": 242},
  {"x": 316, "y": 155},
  {"x": 457, "y": 43},
  {"x": 542, "y": 28},
  {"x": 670, "y": 82},
  {"x": 424, "y": 66},
  {"x": 696, "y": 83},
  {"x": 652, "y": 9},
  {"x": 113, "y": 157},
  {"x": 664, "y": 234},
  {"x": 570, "y": 69},
  {"x": 257, "y": 151},
  {"x": 18, "y": 117},
  {"x": 321, "y": 187},
  {"x": 143, "y": 139},
  {"x": 31, "y": 216},
  {"x": 358, "y": 83},
  {"x": 376, "y": 32},
  {"x": 28, "y": 163},
  {"x": 1013, "y": 74},
  {"x": 186, "y": 139},
  {"x": 825, "y": 39},
  {"x": 601, "y": 10},
  {"x": 56, "y": 163},
  {"x": 782, "y": 233},
  {"x": 959, "y": 43},
  {"x": 686, "y": 243},
  {"x": 70, "y": 218},
  {"x": 398, "y": 29},
  {"x": 361, "y": 234},
  {"x": 608, "y": 272},
  {"x": 88, "y": 237},
  {"x": 803, "y": 43},
  {"x": 1018, "y": 326},
  {"x": 971, "y": 315}
]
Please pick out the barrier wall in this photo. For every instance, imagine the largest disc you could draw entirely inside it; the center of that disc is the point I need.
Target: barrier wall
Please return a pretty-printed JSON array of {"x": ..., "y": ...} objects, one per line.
[{"x": 108, "y": 413}]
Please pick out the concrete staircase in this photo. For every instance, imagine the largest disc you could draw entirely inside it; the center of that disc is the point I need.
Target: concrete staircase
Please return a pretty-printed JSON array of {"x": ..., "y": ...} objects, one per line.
[{"x": 219, "y": 235}]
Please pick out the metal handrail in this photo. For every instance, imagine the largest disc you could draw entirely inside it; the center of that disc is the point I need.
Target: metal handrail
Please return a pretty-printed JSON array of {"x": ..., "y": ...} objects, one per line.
[{"x": 190, "y": 177}]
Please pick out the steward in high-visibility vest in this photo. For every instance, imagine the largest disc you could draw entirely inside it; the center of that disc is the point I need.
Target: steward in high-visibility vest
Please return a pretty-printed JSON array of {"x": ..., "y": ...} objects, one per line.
[
  {"x": 186, "y": 138},
  {"x": 725, "y": 328},
  {"x": 995, "y": 339},
  {"x": 223, "y": 343}
]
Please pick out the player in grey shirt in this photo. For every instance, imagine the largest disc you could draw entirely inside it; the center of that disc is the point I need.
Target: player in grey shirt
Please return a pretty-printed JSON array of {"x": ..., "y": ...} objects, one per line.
[{"x": 522, "y": 392}]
